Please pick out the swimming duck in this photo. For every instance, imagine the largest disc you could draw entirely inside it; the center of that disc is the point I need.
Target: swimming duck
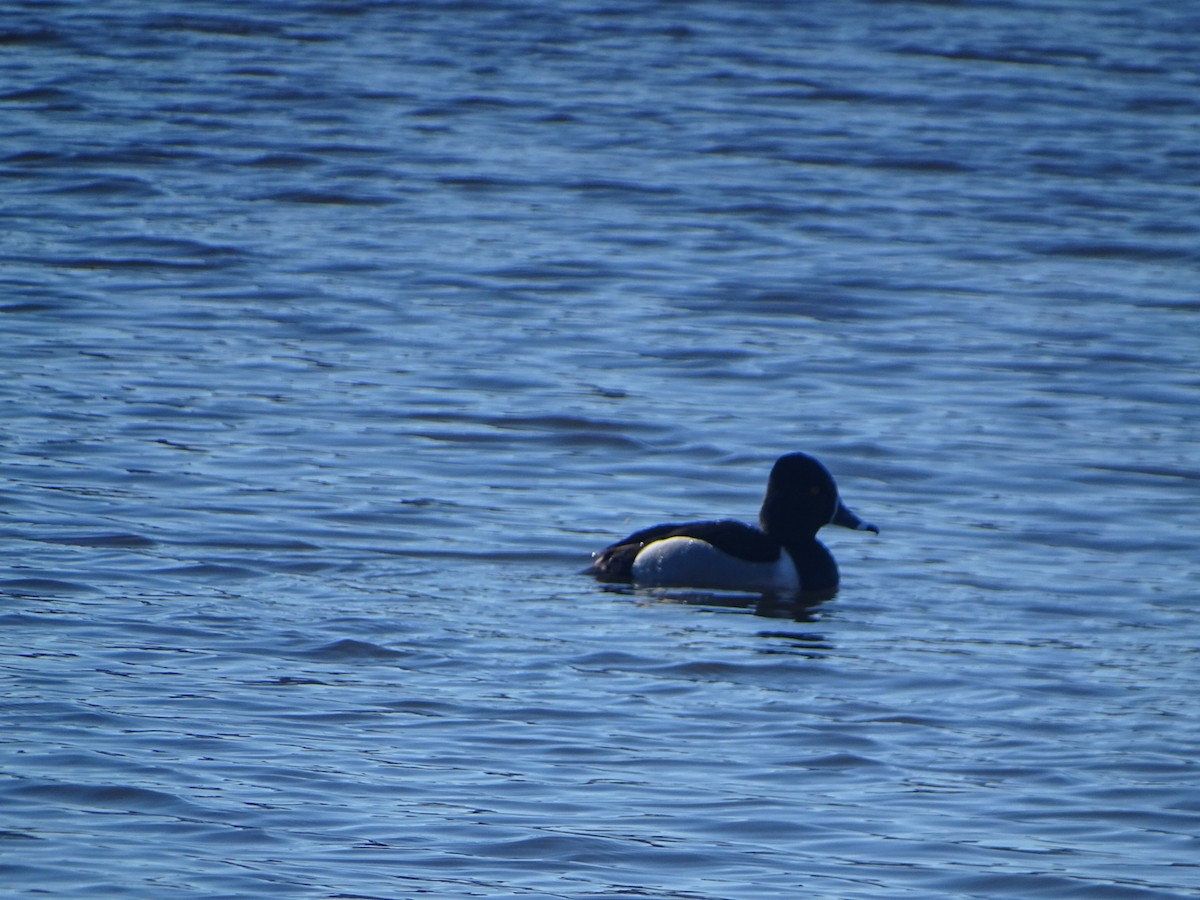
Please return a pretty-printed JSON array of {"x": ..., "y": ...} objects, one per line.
[{"x": 781, "y": 556}]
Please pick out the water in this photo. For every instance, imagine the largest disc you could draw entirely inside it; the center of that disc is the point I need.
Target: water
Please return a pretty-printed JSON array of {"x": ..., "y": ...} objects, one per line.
[{"x": 337, "y": 336}]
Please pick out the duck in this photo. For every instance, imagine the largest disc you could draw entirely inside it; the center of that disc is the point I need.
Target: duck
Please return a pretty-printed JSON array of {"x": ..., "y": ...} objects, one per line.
[{"x": 781, "y": 556}]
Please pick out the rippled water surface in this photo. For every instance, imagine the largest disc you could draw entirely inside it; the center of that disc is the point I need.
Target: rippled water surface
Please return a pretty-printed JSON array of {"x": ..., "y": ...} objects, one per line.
[{"x": 336, "y": 336}]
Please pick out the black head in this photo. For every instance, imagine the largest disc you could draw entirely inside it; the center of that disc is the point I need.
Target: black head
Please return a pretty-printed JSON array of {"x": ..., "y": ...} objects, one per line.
[{"x": 802, "y": 497}]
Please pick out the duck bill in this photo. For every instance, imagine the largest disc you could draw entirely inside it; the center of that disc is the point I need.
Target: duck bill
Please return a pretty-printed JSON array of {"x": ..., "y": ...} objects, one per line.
[{"x": 847, "y": 519}]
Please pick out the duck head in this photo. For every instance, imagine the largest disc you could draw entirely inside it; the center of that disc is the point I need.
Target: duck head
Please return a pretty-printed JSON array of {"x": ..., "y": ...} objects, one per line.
[{"x": 802, "y": 498}]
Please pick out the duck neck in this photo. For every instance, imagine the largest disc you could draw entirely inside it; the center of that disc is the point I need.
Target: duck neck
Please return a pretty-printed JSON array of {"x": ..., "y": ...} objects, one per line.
[{"x": 818, "y": 571}]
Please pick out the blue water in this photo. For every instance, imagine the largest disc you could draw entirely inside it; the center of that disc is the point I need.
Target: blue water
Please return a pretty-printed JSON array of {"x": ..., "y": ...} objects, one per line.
[{"x": 336, "y": 336}]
